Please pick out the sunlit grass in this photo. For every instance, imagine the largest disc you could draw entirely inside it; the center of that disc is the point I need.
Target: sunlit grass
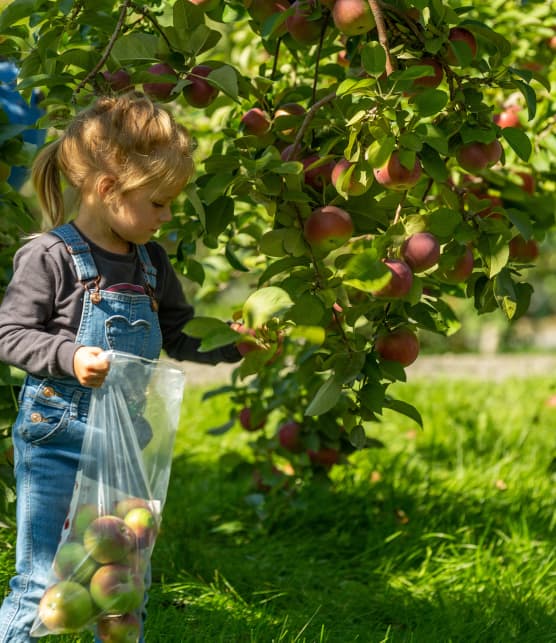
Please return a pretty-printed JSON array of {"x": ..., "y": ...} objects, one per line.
[{"x": 446, "y": 535}]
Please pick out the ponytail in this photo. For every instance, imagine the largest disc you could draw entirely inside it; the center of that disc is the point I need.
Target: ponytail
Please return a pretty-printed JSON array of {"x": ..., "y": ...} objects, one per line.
[{"x": 48, "y": 184}]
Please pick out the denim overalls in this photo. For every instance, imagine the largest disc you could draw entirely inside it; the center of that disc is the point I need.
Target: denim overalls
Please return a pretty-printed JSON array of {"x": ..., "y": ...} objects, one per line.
[{"x": 49, "y": 429}]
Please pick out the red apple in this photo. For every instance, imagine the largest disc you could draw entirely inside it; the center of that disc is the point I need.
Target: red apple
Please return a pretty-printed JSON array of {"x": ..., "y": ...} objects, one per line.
[
  {"x": 144, "y": 525},
  {"x": 261, "y": 10},
  {"x": 117, "y": 589},
  {"x": 401, "y": 281},
  {"x": 206, "y": 5},
  {"x": 199, "y": 93},
  {"x": 108, "y": 539},
  {"x": 118, "y": 80},
  {"x": 73, "y": 562},
  {"x": 119, "y": 628},
  {"x": 65, "y": 607},
  {"x": 255, "y": 122},
  {"x": 400, "y": 345},
  {"x": 160, "y": 90},
  {"x": 395, "y": 176},
  {"x": 352, "y": 186},
  {"x": 300, "y": 24},
  {"x": 461, "y": 269},
  {"x": 289, "y": 436},
  {"x": 324, "y": 457},
  {"x": 460, "y": 35},
  {"x": 327, "y": 228},
  {"x": 477, "y": 156},
  {"x": 287, "y": 133},
  {"x": 508, "y": 117},
  {"x": 352, "y": 17},
  {"x": 523, "y": 250},
  {"x": 246, "y": 420},
  {"x": 420, "y": 251}
]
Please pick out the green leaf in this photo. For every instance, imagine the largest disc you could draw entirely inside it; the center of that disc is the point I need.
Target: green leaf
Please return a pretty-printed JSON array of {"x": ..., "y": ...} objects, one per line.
[
  {"x": 273, "y": 243},
  {"x": 16, "y": 11},
  {"x": 443, "y": 222},
  {"x": 224, "y": 78},
  {"x": 233, "y": 259},
  {"x": 529, "y": 95},
  {"x": 379, "y": 151},
  {"x": 373, "y": 58},
  {"x": 494, "y": 250},
  {"x": 308, "y": 309},
  {"x": 203, "y": 326},
  {"x": 311, "y": 334},
  {"x": 136, "y": 46},
  {"x": 358, "y": 437},
  {"x": 430, "y": 102},
  {"x": 405, "y": 409},
  {"x": 433, "y": 165},
  {"x": 265, "y": 304},
  {"x": 505, "y": 294},
  {"x": 326, "y": 397},
  {"x": 519, "y": 142},
  {"x": 187, "y": 16},
  {"x": 355, "y": 86},
  {"x": 364, "y": 271}
]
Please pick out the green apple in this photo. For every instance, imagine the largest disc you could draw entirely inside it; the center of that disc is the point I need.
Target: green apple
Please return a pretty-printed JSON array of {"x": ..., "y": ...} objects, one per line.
[
  {"x": 65, "y": 607},
  {"x": 73, "y": 562},
  {"x": 143, "y": 524},
  {"x": 117, "y": 589}
]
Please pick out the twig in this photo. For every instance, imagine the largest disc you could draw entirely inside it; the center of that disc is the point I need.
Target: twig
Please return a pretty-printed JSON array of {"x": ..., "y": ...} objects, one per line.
[
  {"x": 382, "y": 35},
  {"x": 106, "y": 51},
  {"x": 308, "y": 118}
]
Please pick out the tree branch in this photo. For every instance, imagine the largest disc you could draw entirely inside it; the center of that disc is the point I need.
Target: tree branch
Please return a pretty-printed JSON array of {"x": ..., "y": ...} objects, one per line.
[
  {"x": 376, "y": 10},
  {"x": 107, "y": 50},
  {"x": 308, "y": 118}
]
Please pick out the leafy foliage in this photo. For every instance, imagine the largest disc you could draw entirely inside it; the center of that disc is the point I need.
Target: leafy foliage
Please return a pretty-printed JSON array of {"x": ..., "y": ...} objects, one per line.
[{"x": 404, "y": 89}]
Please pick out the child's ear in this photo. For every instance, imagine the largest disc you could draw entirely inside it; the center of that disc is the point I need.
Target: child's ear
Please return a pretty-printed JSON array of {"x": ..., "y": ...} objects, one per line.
[{"x": 105, "y": 185}]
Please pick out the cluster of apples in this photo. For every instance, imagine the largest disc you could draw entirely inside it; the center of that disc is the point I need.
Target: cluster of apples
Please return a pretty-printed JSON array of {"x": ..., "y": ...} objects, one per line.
[{"x": 100, "y": 572}]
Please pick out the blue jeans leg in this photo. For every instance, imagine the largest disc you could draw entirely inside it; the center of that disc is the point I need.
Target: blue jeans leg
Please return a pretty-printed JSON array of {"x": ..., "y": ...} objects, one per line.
[{"x": 45, "y": 477}]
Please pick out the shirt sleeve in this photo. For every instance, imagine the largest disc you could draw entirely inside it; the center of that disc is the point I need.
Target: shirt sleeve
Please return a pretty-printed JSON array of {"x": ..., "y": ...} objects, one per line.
[
  {"x": 174, "y": 312},
  {"x": 27, "y": 336}
]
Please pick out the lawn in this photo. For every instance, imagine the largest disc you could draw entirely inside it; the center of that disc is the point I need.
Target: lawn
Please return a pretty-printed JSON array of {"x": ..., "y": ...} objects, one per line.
[{"x": 445, "y": 535}]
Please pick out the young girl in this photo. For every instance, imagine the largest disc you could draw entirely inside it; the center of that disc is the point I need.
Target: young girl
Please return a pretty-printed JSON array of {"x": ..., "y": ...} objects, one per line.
[{"x": 94, "y": 284}]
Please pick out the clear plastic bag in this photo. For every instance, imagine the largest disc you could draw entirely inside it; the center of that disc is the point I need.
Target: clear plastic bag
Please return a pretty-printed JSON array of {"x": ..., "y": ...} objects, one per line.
[{"x": 98, "y": 574}]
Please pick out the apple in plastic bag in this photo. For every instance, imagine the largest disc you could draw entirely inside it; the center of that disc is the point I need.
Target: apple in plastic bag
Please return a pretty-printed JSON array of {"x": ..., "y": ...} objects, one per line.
[
  {"x": 84, "y": 516},
  {"x": 143, "y": 524},
  {"x": 119, "y": 628},
  {"x": 117, "y": 589},
  {"x": 108, "y": 539},
  {"x": 65, "y": 607},
  {"x": 73, "y": 561},
  {"x": 125, "y": 505}
]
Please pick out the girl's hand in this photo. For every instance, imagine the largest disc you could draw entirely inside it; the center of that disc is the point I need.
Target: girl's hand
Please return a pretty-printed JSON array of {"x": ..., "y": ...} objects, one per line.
[{"x": 90, "y": 369}]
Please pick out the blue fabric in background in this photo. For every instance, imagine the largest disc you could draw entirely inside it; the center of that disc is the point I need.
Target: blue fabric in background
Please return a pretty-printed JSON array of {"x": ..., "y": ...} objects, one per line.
[{"x": 19, "y": 112}]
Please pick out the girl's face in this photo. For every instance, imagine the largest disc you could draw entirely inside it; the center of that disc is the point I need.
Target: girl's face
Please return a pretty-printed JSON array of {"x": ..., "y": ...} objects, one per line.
[{"x": 136, "y": 216}]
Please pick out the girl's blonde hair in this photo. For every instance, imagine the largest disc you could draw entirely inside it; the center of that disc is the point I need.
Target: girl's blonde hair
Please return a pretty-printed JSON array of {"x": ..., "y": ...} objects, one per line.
[{"x": 127, "y": 137}]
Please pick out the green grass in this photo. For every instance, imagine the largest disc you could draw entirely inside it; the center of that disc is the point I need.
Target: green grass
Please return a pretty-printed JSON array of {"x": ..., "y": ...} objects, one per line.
[{"x": 446, "y": 535}]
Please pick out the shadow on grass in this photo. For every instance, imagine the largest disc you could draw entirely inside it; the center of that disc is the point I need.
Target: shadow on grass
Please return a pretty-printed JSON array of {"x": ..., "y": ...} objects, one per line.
[{"x": 397, "y": 560}]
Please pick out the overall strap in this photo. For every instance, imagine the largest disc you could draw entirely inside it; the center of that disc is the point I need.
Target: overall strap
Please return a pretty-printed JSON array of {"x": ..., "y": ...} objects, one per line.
[
  {"x": 146, "y": 264},
  {"x": 79, "y": 250}
]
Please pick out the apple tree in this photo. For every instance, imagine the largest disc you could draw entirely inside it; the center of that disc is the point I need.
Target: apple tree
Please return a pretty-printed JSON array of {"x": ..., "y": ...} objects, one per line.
[{"x": 363, "y": 163}]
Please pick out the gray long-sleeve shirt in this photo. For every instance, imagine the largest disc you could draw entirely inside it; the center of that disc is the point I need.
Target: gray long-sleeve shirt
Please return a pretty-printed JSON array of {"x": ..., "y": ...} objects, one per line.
[{"x": 41, "y": 310}]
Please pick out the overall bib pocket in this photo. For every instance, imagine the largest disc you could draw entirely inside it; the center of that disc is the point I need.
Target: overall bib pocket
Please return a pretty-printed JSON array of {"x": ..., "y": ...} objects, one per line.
[{"x": 125, "y": 336}]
